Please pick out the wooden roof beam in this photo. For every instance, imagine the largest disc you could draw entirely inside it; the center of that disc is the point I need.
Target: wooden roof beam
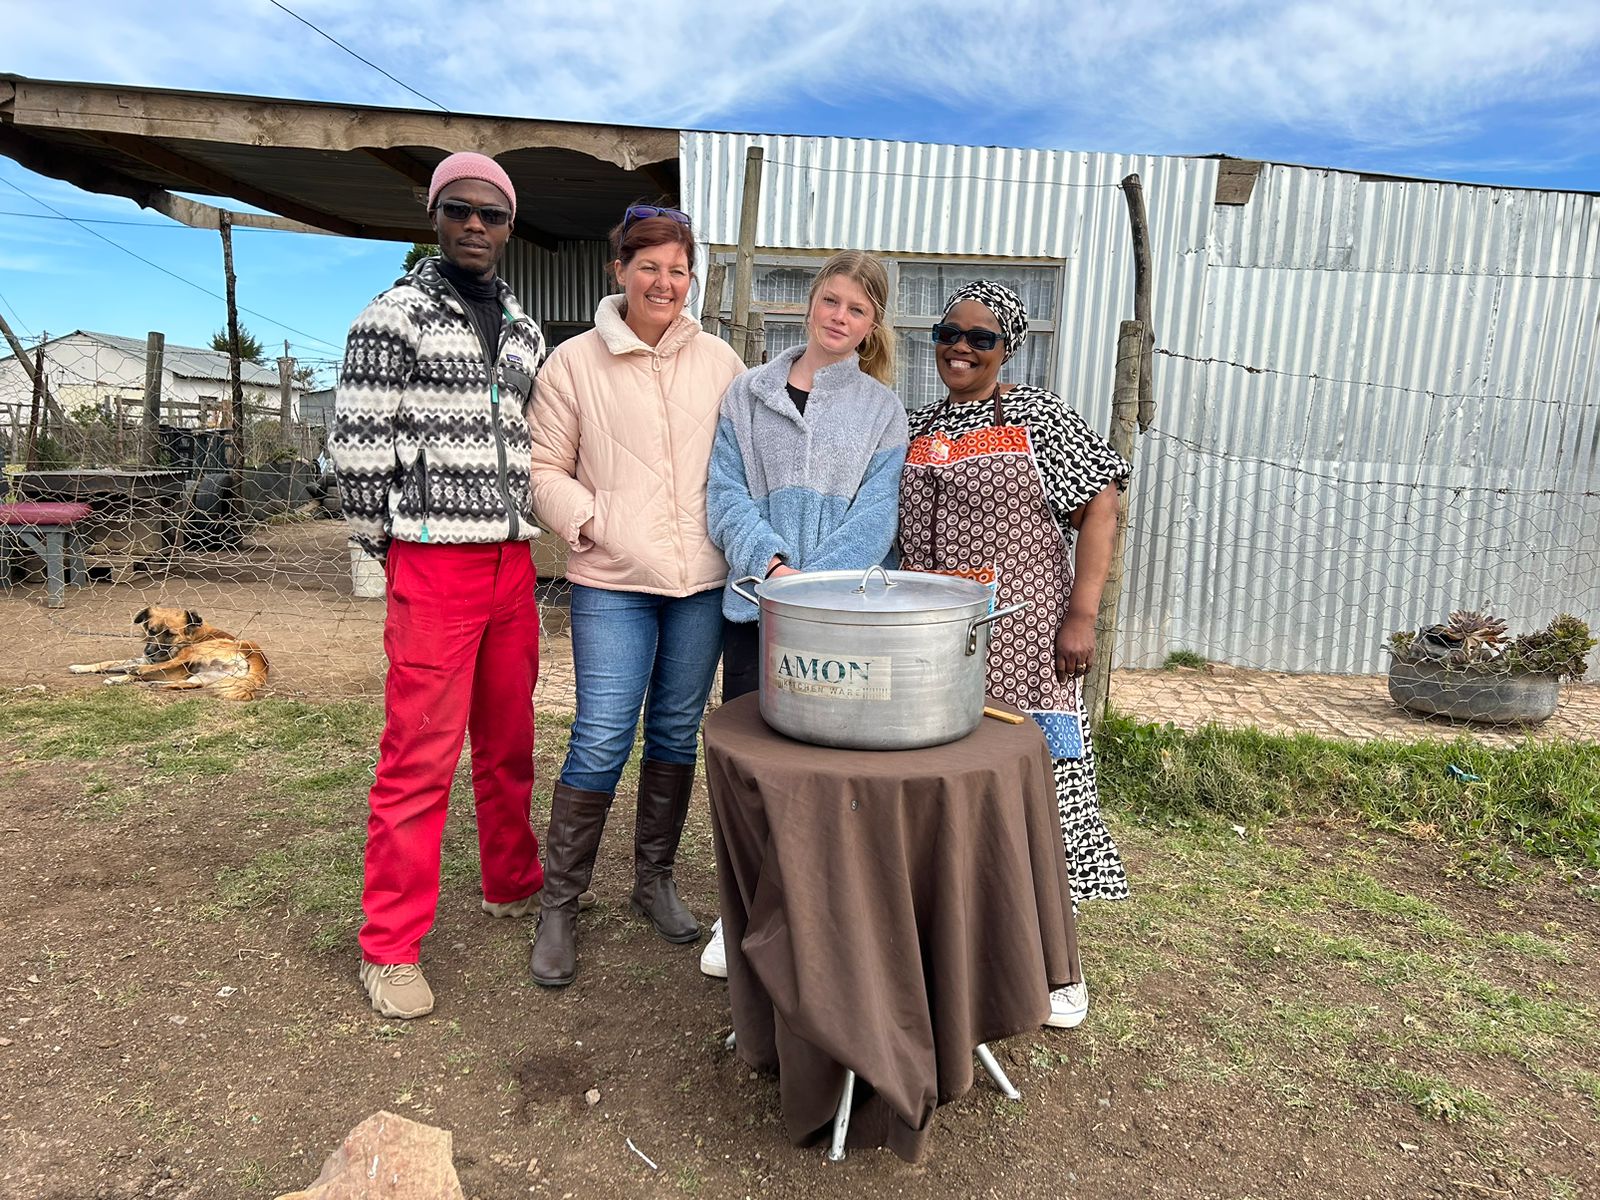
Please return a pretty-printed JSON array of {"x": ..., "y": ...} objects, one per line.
[
  {"x": 311, "y": 125},
  {"x": 209, "y": 179},
  {"x": 56, "y": 163}
]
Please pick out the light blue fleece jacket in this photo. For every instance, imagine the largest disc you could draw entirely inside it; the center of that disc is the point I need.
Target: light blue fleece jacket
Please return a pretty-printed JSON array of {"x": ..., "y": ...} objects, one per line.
[{"x": 821, "y": 489}]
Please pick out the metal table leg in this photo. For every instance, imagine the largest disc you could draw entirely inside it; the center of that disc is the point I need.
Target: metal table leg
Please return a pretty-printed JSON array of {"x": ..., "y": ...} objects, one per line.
[
  {"x": 986, "y": 1057},
  {"x": 841, "y": 1118}
]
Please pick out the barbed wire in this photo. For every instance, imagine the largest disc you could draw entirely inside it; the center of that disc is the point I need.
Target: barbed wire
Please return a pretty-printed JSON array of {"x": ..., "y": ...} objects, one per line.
[
  {"x": 1408, "y": 484},
  {"x": 1368, "y": 383},
  {"x": 1282, "y": 563}
]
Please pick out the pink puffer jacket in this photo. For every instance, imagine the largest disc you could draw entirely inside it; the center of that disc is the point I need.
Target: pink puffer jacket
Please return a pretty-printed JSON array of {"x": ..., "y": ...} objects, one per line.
[{"x": 622, "y": 435}]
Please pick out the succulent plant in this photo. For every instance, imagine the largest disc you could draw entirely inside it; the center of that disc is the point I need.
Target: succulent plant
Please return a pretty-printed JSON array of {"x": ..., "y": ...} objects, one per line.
[{"x": 1474, "y": 641}]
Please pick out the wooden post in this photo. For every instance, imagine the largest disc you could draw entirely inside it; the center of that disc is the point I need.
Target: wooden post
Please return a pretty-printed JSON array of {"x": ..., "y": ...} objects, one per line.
[
  {"x": 1124, "y": 412},
  {"x": 155, "y": 352},
  {"x": 744, "y": 264},
  {"x": 285, "y": 394},
  {"x": 1139, "y": 227},
  {"x": 711, "y": 304},
  {"x": 55, "y": 411},
  {"x": 758, "y": 337},
  {"x": 233, "y": 414},
  {"x": 32, "y": 458}
]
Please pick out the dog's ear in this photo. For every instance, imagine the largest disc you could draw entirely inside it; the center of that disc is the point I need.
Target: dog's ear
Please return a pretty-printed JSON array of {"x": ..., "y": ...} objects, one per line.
[
  {"x": 191, "y": 620},
  {"x": 140, "y": 617}
]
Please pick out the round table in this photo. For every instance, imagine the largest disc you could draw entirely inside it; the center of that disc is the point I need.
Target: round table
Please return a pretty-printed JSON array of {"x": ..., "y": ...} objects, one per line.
[{"x": 885, "y": 912}]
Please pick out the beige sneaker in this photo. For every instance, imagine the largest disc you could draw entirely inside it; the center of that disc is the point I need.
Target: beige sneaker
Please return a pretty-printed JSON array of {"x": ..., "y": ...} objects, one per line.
[
  {"x": 527, "y": 906},
  {"x": 397, "y": 989}
]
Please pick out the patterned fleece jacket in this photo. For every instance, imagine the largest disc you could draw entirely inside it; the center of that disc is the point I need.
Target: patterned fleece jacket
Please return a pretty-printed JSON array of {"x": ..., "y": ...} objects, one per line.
[
  {"x": 820, "y": 489},
  {"x": 430, "y": 442}
]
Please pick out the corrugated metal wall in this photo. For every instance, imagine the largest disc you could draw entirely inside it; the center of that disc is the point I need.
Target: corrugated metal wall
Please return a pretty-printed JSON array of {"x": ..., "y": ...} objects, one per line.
[
  {"x": 1420, "y": 417},
  {"x": 564, "y": 286}
]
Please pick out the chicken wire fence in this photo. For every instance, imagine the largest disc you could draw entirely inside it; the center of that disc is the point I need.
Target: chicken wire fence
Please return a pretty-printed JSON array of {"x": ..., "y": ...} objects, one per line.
[{"x": 1257, "y": 591}]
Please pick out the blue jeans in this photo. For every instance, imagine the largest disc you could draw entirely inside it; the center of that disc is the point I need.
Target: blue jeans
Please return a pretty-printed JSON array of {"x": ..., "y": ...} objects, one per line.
[{"x": 631, "y": 649}]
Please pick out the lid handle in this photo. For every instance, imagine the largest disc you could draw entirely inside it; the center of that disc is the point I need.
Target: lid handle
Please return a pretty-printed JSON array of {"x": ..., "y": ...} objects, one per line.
[{"x": 867, "y": 574}]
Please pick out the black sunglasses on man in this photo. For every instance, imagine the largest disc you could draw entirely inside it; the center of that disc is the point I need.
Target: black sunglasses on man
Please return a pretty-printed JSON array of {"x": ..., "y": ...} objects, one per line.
[{"x": 461, "y": 212}]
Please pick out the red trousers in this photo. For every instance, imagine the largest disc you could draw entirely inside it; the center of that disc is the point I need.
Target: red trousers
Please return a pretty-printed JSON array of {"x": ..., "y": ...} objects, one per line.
[{"x": 462, "y": 636}]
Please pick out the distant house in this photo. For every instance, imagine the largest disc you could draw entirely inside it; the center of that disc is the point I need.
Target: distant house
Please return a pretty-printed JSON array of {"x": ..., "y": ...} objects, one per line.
[
  {"x": 104, "y": 374},
  {"x": 316, "y": 408}
]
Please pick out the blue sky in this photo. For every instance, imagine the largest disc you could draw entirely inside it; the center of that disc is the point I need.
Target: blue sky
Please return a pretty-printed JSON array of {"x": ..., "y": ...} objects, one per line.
[{"x": 1498, "y": 92}]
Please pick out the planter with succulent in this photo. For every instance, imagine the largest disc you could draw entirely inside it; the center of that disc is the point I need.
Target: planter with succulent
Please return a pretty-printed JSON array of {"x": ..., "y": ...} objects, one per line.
[{"x": 1467, "y": 668}]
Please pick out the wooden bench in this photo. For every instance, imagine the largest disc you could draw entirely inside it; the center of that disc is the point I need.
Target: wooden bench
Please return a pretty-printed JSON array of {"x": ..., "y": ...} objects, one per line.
[{"x": 50, "y": 530}]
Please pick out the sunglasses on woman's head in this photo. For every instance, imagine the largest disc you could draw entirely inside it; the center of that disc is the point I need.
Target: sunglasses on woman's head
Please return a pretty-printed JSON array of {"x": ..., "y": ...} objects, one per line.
[
  {"x": 461, "y": 212},
  {"x": 978, "y": 339},
  {"x": 643, "y": 212}
]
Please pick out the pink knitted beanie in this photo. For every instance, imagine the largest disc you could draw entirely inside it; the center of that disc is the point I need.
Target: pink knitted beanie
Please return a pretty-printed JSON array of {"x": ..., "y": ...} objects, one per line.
[{"x": 468, "y": 165}]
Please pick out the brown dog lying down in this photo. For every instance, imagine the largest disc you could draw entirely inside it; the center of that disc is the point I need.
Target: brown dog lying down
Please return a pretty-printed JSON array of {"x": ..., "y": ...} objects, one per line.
[{"x": 182, "y": 651}]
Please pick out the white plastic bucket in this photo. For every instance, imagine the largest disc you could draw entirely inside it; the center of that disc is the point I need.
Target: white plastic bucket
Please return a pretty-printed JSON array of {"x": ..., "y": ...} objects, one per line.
[{"x": 366, "y": 574}]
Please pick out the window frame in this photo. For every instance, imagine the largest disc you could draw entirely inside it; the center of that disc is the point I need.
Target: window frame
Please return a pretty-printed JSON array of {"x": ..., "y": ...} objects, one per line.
[{"x": 794, "y": 314}]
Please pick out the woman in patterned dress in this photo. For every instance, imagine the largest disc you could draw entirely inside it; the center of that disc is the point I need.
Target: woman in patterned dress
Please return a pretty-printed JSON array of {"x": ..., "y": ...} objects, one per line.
[{"x": 1005, "y": 484}]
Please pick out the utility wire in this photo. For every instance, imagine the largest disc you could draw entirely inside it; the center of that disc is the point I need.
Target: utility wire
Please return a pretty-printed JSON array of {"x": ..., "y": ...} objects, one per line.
[
  {"x": 16, "y": 314},
  {"x": 357, "y": 57},
  {"x": 157, "y": 266},
  {"x": 6, "y": 212}
]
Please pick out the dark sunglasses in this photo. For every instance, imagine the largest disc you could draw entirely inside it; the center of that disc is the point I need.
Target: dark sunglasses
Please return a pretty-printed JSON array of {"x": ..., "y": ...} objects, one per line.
[
  {"x": 643, "y": 212},
  {"x": 461, "y": 212},
  {"x": 978, "y": 339}
]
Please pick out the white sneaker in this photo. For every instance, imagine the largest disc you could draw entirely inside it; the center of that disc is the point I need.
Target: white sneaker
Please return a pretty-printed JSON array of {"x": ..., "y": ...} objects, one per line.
[
  {"x": 714, "y": 958},
  {"x": 1068, "y": 1006}
]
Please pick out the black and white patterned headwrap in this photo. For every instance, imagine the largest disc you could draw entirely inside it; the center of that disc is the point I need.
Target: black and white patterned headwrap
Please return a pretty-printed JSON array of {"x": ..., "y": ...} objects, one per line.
[{"x": 1005, "y": 304}]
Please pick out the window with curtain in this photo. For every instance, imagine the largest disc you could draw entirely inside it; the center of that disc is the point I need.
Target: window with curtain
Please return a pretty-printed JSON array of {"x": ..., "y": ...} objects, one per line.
[{"x": 918, "y": 289}]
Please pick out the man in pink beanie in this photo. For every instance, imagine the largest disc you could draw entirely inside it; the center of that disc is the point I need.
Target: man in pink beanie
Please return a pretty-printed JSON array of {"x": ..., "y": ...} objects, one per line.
[
  {"x": 430, "y": 446},
  {"x": 467, "y": 165}
]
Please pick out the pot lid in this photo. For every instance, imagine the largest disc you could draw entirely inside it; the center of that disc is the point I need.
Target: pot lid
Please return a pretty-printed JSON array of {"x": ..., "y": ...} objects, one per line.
[{"x": 875, "y": 591}]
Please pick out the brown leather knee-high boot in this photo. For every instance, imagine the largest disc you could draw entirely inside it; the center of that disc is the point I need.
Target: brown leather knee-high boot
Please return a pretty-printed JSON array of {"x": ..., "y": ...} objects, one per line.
[
  {"x": 664, "y": 790},
  {"x": 577, "y": 819}
]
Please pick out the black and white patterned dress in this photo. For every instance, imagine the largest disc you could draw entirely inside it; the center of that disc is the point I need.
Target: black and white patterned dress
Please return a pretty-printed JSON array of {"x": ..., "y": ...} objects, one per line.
[{"x": 987, "y": 492}]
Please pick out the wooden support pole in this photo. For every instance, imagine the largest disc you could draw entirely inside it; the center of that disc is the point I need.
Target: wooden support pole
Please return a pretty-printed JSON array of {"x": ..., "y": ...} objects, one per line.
[
  {"x": 1139, "y": 227},
  {"x": 1124, "y": 414},
  {"x": 31, "y": 459},
  {"x": 285, "y": 393},
  {"x": 744, "y": 263},
  {"x": 711, "y": 304},
  {"x": 56, "y": 413},
  {"x": 155, "y": 352},
  {"x": 233, "y": 414}
]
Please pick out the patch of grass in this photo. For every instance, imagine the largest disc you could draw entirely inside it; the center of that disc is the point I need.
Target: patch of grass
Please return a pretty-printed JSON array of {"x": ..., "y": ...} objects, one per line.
[
  {"x": 1192, "y": 659},
  {"x": 254, "y": 1176},
  {"x": 1440, "y": 1099},
  {"x": 1588, "y": 1083},
  {"x": 1542, "y": 799}
]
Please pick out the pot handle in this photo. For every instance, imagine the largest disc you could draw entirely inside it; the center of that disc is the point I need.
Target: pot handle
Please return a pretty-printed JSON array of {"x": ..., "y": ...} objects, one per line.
[
  {"x": 746, "y": 595},
  {"x": 978, "y": 622},
  {"x": 867, "y": 574}
]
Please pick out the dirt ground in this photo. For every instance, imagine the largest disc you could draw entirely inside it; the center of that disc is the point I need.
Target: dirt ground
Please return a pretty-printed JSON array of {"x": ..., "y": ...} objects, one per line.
[
  {"x": 1298, "y": 1010},
  {"x": 289, "y": 589}
]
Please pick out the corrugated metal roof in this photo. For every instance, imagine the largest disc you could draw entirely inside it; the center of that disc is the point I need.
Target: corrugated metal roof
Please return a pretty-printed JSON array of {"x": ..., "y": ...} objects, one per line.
[
  {"x": 185, "y": 362},
  {"x": 1401, "y": 414}
]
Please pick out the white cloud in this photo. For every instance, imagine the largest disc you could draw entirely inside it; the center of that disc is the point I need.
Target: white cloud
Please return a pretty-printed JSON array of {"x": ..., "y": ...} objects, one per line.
[{"x": 1157, "y": 76}]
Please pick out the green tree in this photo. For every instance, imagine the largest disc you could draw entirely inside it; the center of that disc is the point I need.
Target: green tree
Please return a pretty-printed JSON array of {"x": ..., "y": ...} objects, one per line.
[
  {"x": 249, "y": 345},
  {"x": 418, "y": 252}
]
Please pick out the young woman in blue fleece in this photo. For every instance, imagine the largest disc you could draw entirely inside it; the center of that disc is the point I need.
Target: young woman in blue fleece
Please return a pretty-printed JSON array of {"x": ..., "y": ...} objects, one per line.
[{"x": 805, "y": 471}]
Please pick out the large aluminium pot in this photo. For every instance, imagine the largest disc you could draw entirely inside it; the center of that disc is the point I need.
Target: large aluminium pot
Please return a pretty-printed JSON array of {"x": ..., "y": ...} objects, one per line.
[{"x": 885, "y": 660}]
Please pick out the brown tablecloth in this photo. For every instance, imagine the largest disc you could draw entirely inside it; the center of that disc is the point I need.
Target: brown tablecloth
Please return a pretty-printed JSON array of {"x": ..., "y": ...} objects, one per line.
[{"x": 885, "y": 911}]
